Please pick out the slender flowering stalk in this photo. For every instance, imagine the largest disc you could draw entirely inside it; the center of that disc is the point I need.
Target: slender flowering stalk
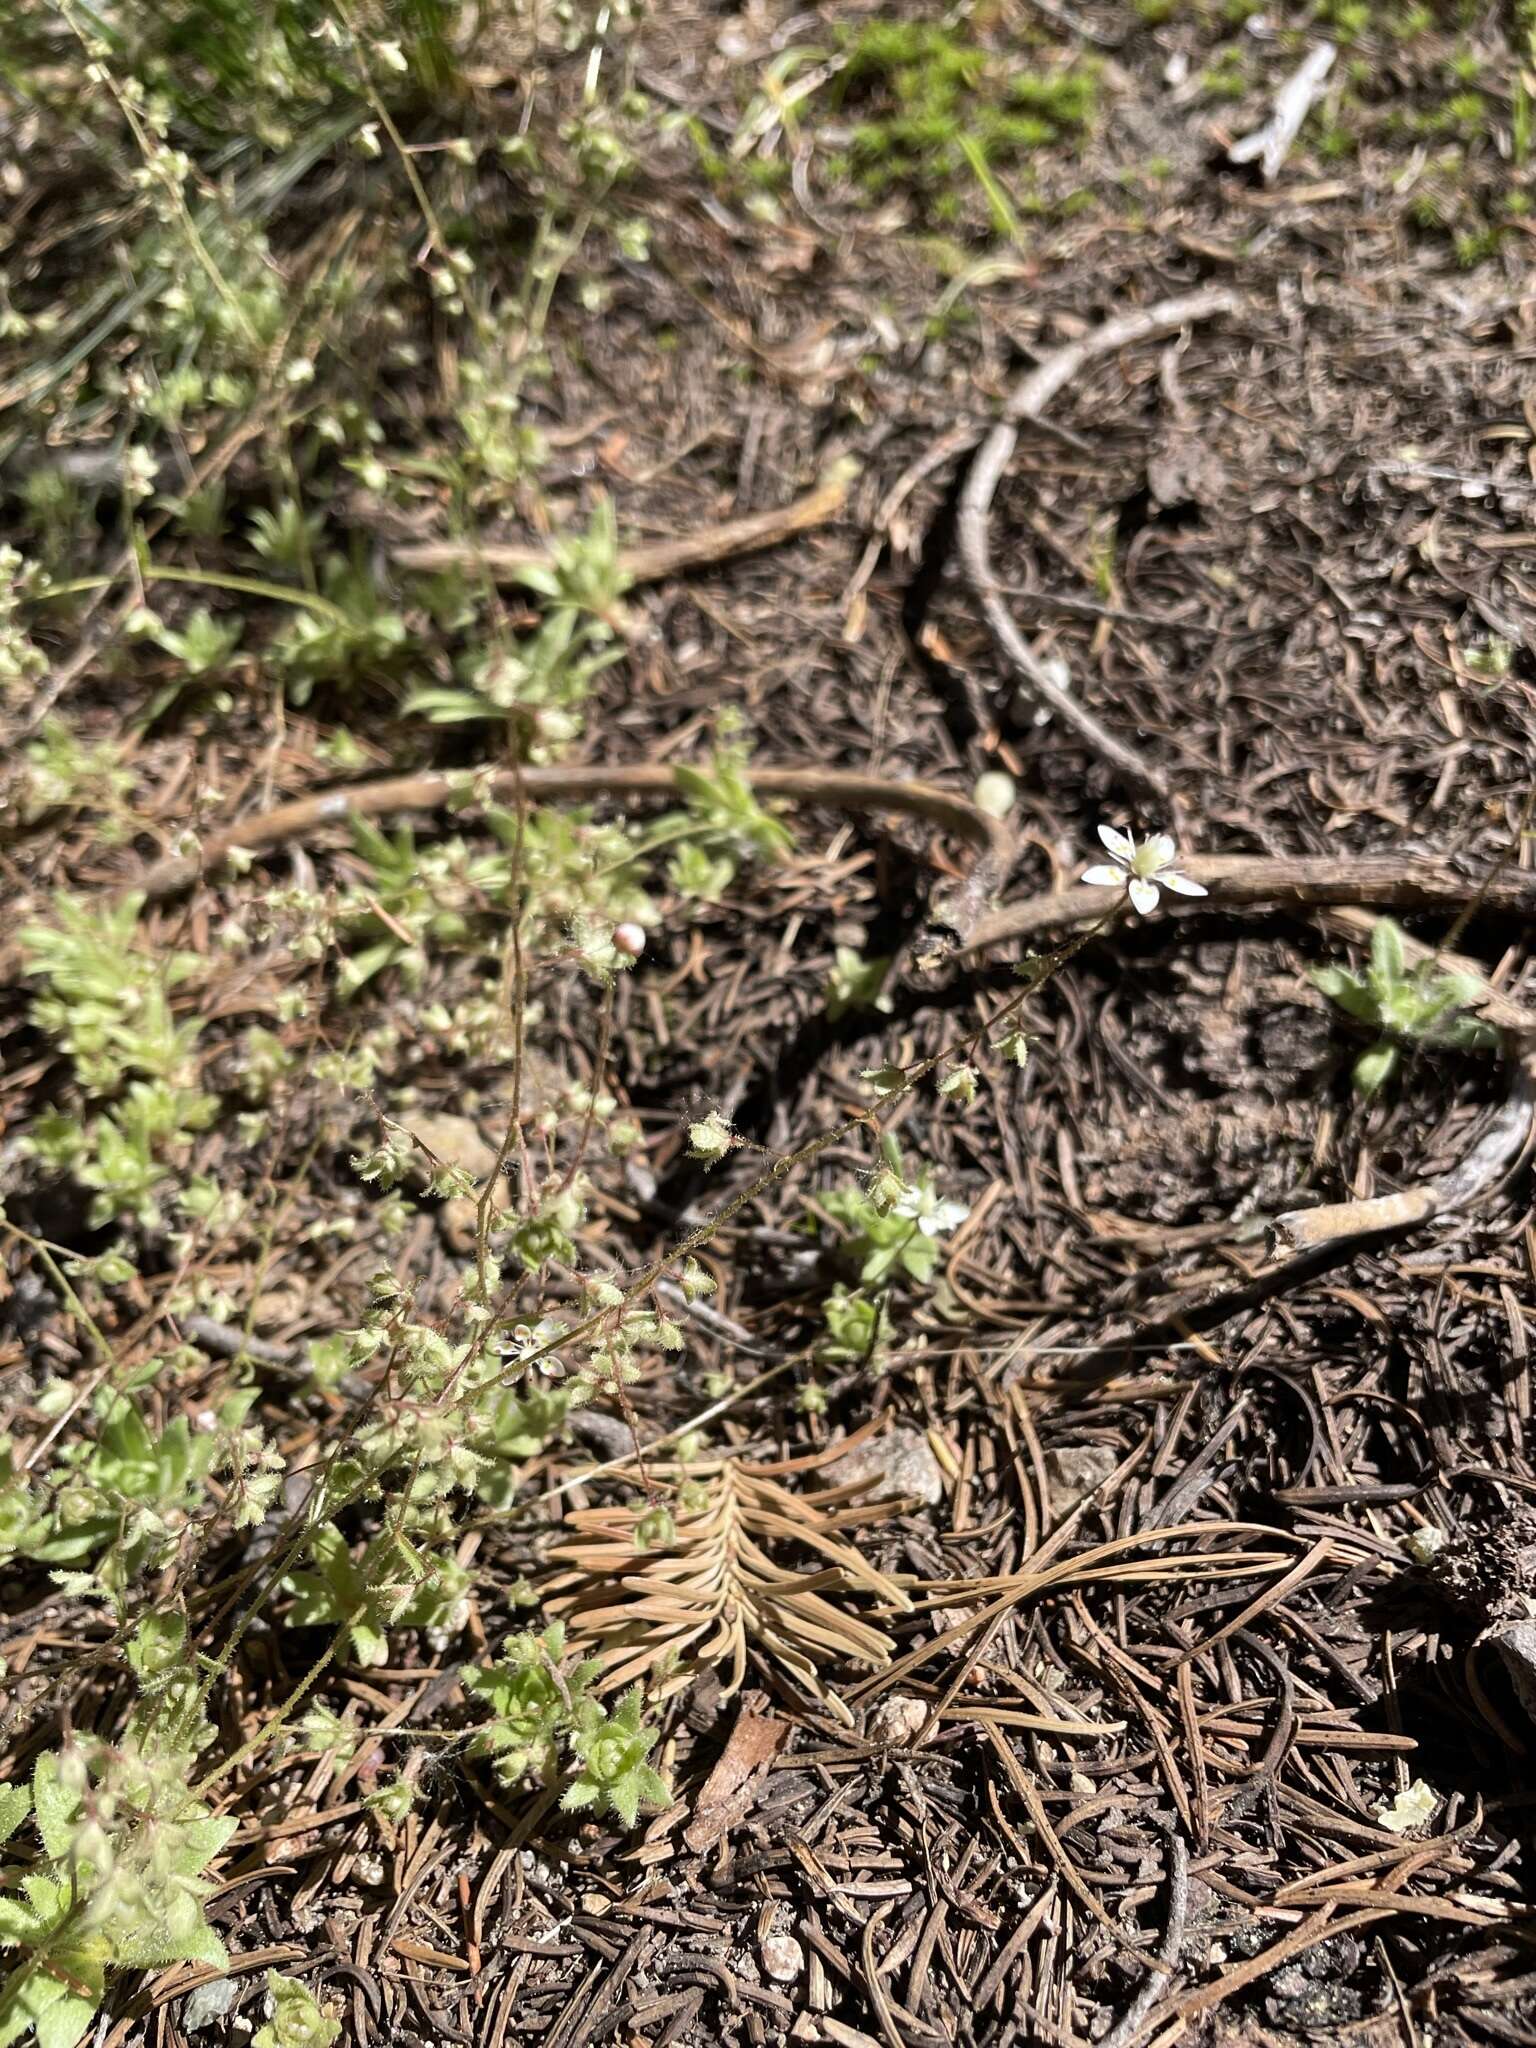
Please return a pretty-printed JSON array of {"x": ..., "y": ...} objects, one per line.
[{"x": 1140, "y": 870}]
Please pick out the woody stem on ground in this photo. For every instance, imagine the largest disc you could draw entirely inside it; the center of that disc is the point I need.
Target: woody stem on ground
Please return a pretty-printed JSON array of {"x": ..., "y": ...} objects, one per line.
[{"x": 1029, "y": 400}]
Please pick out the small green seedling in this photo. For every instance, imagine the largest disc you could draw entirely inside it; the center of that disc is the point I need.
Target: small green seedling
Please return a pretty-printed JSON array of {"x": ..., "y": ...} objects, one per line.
[
  {"x": 857, "y": 984},
  {"x": 1422, "y": 1007},
  {"x": 297, "y": 2021},
  {"x": 546, "y": 1726}
]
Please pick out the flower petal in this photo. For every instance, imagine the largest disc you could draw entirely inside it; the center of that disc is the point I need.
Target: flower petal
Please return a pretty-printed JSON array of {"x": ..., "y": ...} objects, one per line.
[
  {"x": 1181, "y": 885},
  {"x": 1143, "y": 894},
  {"x": 1161, "y": 849},
  {"x": 1120, "y": 844},
  {"x": 1105, "y": 877}
]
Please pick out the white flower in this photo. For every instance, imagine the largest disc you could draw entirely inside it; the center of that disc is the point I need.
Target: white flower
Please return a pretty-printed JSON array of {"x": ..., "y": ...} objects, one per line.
[
  {"x": 1140, "y": 870},
  {"x": 933, "y": 1216}
]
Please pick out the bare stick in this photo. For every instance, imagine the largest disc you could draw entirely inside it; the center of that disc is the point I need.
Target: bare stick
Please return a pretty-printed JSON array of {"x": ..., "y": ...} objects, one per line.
[
  {"x": 1293, "y": 102},
  {"x": 1154, "y": 1984},
  {"x": 1246, "y": 880},
  {"x": 652, "y": 561},
  {"x": 1030, "y": 399},
  {"x": 1475, "y": 1175}
]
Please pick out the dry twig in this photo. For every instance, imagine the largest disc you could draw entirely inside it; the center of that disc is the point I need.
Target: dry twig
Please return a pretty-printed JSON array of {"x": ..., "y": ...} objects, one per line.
[
  {"x": 1293, "y": 102},
  {"x": 652, "y": 561},
  {"x": 291, "y": 823},
  {"x": 1248, "y": 880}
]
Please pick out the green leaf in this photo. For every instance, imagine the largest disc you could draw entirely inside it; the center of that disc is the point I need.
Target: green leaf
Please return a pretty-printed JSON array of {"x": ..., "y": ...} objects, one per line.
[
  {"x": 1387, "y": 950},
  {"x": 56, "y": 1806},
  {"x": 440, "y": 705},
  {"x": 200, "y": 1946},
  {"x": 123, "y": 1432},
  {"x": 1351, "y": 994},
  {"x": 198, "y": 1842},
  {"x": 20, "y": 1922},
  {"x": 297, "y": 2021},
  {"x": 1375, "y": 1068},
  {"x": 158, "y": 1644},
  {"x": 65, "y": 2021},
  {"x": 15, "y": 1805},
  {"x": 624, "y": 1798}
]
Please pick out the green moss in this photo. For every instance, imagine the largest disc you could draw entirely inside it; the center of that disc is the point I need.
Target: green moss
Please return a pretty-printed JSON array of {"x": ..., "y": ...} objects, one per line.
[
  {"x": 1464, "y": 114},
  {"x": 1477, "y": 245},
  {"x": 1227, "y": 78},
  {"x": 716, "y": 168},
  {"x": 765, "y": 173},
  {"x": 1345, "y": 20},
  {"x": 1066, "y": 99},
  {"x": 936, "y": 114},
  {"x": 1334, "y": 142}
]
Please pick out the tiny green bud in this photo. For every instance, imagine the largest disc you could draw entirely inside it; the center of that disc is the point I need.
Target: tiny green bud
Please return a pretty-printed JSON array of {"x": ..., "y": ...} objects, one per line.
[
  {"x": 695, "y": 1281},
  {"x": 1013, "y": 1045},
  {"x": 884, "y": 1080},
  {"x": 995, "y": 793},
  {"x": 960, "y": 1085},
  {"x": 655, "y": 1530},
  {"x": 710, "y": 1139}
]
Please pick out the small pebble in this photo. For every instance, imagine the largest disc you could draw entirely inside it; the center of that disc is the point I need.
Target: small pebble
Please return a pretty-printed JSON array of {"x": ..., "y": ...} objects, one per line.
[
  {"x": 207, "y": 2004},
  {"x": 898, "y": 1719},
  {"x": 783, "y": 1958}
]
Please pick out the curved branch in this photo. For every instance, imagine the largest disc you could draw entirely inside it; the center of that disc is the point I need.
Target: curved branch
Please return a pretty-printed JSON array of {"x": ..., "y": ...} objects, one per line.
[
  {"x": 1030, "y": 399},
  {"x": 832, "y": 787}
]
